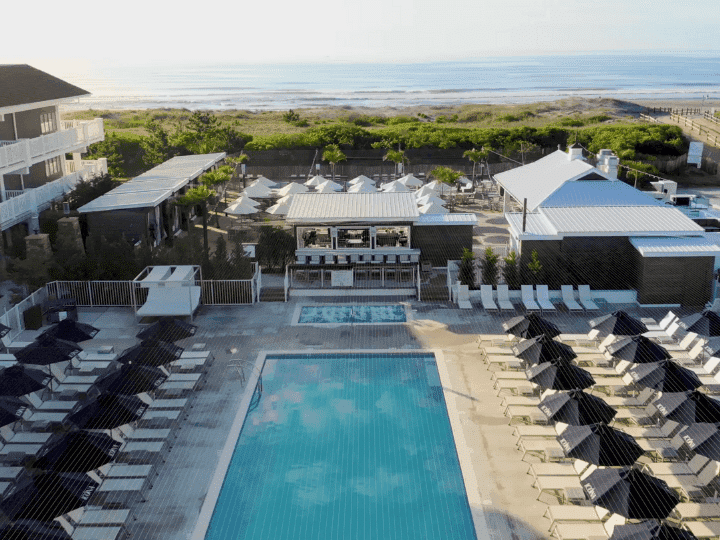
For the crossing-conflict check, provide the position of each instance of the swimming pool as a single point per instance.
(351, 446)
(351, 314)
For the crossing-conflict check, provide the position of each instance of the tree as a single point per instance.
(475, 156)
(234, 162)
(535, 268)
(466, 273)
(334, 155)
(488, 266)
(396, 156)
(219, 177)
(446, 175)
(240, 264)
(510, 271)
(156, 146)
(84, 192)
(198, 196)
(275, 247)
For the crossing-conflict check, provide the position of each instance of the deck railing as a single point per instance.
(13, 317)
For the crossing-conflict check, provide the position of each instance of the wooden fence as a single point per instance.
(712, 136)
(672, 110)
(711, 117)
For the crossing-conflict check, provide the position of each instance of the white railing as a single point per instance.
(258, 281)
(10, 193)
(286, 283)
(98, 166)
(21, 154)
(13, 317)
(227, 292)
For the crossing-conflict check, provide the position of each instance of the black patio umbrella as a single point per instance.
(638, 350)
(650, 530)
(618, 323)
(706, 323)
(529, 326)
(78, 451)
(109, 411)
(70, 330)
(664, 376)
(541, 349)
(4, 330)
(689, 407)
(712, 347)
(131, 379)
(576, 408)
(704, 439)
(168, 330)
(600, 445)
(19, 380)
(151, 353)
(30, 529)
(47, 350)
(630, 493)
(559, 374)
(47, 495)
(11, 410)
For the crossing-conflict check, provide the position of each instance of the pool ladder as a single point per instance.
(240, 365)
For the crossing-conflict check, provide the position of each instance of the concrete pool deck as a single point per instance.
(242, 332)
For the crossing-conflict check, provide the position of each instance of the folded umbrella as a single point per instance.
(576, 408)
(703, 439)
(131, 379)
(109, 411)
(78, 451)
(664, 376)
(168, 330)
(19, 380)
(706, 323)
(151, 353)
(638, 350)
(560, 374)
(541, 349)
(650, 530)
(529, 326)
(31, 529)
(618, 323)
(689, 407)
(70, 330)
(600, 445)
(630, 493)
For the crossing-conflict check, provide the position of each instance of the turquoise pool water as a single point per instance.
(352, 314)
(345, 447)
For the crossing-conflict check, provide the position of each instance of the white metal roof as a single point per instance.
(619, 220)
(536, 225)
(447, 219)
(343, 207)
(189, 167)
(125, 201)
(598, 193)
(538, 180)
(676, 247)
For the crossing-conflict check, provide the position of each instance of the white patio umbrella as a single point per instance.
(464, 180)
(433, 208)
(440, 187)
(315, 181)
(429, 199)
(265, 182)
(425, 190)
(325, 188)
(278, 209)
(292, 187)
(362, 188)
(244, 199)
(333, 185)
(410, 181)
(362, 178)
(285, 200)
(394, 187)
(239, 208)
(257, 190)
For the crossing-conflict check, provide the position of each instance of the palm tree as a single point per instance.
(220, 176)
(242, 159)
(449, 176)
(396, 156)
(475, 156)
(333, 155)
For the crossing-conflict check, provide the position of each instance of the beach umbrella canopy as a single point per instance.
(703, 439)
(362, 179)
(394, 186)
(440, 187)
(79, 451)
(712, 347)
(650, 530)
(410, 181)
(131, 379)
(11, 410)
(362, 188)
(664, 376)
(577, 408)
(46, 350)
(542, 348)
(638, 350)
(31, 529)
(357, 182)
(292, 187)
(315, 181)
(559, 374)
(285, 200)
(630, 493)
(430, 199)
(706, 323)
(433, 208)
(326, 188)
(19, 380)
(618, 323)
(425, 190)
(4, 330)
(688, 408)
(70, 330)
(278, 209)
(257, 190)
(464, 180)
(530, 325)
(48, 495)
(241, 209)
(600, 445)
(109, 411)
(265, 182)
(245, 200)
(168, 329)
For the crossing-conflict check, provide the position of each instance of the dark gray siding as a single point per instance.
(441, 243)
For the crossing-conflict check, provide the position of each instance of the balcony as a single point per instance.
(22, 154)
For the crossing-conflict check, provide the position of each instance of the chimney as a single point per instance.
(608, 163)
(575, 152)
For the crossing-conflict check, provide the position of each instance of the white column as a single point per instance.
(2, 187)
(506, 203)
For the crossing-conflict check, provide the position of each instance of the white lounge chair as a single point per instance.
(486, 296)
(528, 298)
(464, 297)
(543, 298)
(503, 296)
(586, 298)
(667, 320)
(568, 296)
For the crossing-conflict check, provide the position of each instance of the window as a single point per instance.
(353, 238)
(52, 166)
(48, 123)
(314, 237)
(393, 237)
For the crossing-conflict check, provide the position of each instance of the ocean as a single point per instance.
(487, 80)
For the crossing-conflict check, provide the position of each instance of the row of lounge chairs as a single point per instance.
(538, 299)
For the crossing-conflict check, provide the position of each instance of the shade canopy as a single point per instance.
(618, 323)
(245, 200)
(712, 347)
(425, 190)
(278, 209)
(239, 208)
(630, 493)
(109, 411)
(257, 190)
(560, 374)
(600, 445)
(430, 199)
(706, 323)
(48, 495)
(688, 408)
(362, 179)
(70, 330)
(664, 376)
(151, 353)
(31, 529)
(703, 439)
(394, 187)
(577, 408)
(19, 380)
(131, 379)
(362, 188)
(433, 208)
(79, 451)
(328, 187)
(11, 410)
(650, 530)
(410, 181)
(315, 181)
(530, 325)
(168, 329)
(542, 348)
(638, 350)
(265, 182)
(292, 187)
(285, 200)
(47, 350)
(440, 187)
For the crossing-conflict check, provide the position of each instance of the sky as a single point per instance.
(140, 31)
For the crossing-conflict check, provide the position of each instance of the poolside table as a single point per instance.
(569, 513)
(552, 469)
(124, 491)
(695, 511)
(538, 446)
(159, 419)
(99, 533)
(556, 484)
(108, 518)
(579, 531)
(142, 452)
